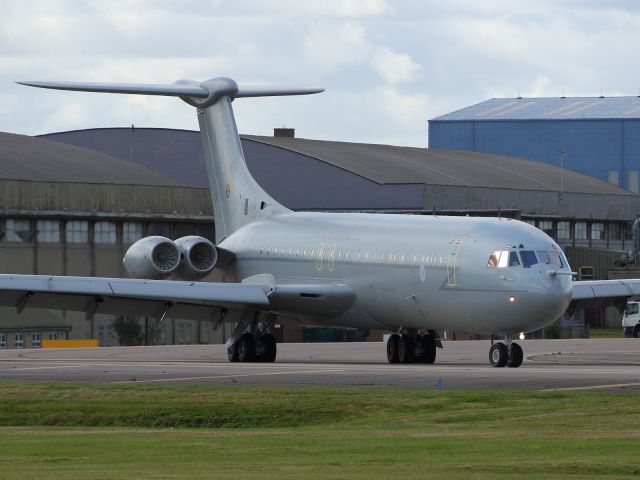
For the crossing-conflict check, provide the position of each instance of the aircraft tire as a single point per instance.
(392, 348)
(406, 349)
(270, 348)
(232, 352)
(428, 344)
(246, 348)
(498, 355)
(516, 356)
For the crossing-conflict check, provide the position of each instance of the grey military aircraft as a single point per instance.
(411, 275)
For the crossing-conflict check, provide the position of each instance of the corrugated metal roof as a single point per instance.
(386, 164)
(34, 159)
(556, 108)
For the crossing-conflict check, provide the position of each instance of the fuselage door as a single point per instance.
(452, 260)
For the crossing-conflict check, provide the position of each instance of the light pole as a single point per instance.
(563, 154)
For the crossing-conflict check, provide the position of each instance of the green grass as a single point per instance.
(606, 333)
(188, 431)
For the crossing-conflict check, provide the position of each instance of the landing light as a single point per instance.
(521, 336)
(512, 299)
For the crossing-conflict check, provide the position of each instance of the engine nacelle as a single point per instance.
(152, 257)
(198, 257)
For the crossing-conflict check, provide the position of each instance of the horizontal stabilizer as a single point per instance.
(182, 88)
(174, 90)
(248, 91)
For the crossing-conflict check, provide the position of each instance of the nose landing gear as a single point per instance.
(506, 355)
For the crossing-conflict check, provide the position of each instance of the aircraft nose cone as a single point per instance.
(549, 297)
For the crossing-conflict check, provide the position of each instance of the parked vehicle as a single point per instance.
(631, 320)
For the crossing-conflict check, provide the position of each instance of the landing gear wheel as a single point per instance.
(636, 332)
(515, 355)
(498, 355)
(246, 348)
(406, 349)
(270, 348)
(392, 348)
(232, 353)
(428, 344)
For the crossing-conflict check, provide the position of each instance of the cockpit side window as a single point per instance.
(528, 258)
(499, 259)
(543, 257)
(555, 258)
(514, 261)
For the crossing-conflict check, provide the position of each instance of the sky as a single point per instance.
(387, 66)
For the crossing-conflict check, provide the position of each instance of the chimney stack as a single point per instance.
(284, 132)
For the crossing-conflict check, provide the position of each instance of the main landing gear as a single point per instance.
(251, 339)
(506, 355)
(412, 348)
(251, 348)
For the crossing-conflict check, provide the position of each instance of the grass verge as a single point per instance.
(606, 333)
(190, 431)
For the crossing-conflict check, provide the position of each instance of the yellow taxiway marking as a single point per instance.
(591, 387)
(213, 377)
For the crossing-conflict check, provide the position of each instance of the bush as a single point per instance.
(554, 330)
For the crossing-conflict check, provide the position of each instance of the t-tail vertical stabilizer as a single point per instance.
(237, 197)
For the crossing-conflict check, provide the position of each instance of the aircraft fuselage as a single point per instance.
(413, 271)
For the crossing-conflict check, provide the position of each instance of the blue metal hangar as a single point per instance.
(598, 136)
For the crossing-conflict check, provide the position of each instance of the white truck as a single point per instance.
(631, 320)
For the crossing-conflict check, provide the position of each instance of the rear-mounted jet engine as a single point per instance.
(188, 258)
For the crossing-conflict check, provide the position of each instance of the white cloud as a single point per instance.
(334, 44)
(395, 67)
(405, 109)
(308, 9)
(387, 66)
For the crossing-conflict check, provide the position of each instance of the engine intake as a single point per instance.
(152, 257)
(198, 257)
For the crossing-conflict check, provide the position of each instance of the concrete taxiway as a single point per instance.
(564, 365)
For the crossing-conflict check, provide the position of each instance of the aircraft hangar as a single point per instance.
(599, 136)
(72, 202)
(576, 209)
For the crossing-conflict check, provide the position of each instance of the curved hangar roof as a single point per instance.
(390, 164)
(323, 175)
(179, 154)
(60, 179)
(39, 160)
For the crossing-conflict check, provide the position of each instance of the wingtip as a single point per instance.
(29, 83)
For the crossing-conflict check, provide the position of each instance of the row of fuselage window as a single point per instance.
(331, 255)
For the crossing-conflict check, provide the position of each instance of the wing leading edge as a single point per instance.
(602, 293)
(177, 299)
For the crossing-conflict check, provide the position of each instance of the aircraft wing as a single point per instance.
(176, 299)
(602, 293)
